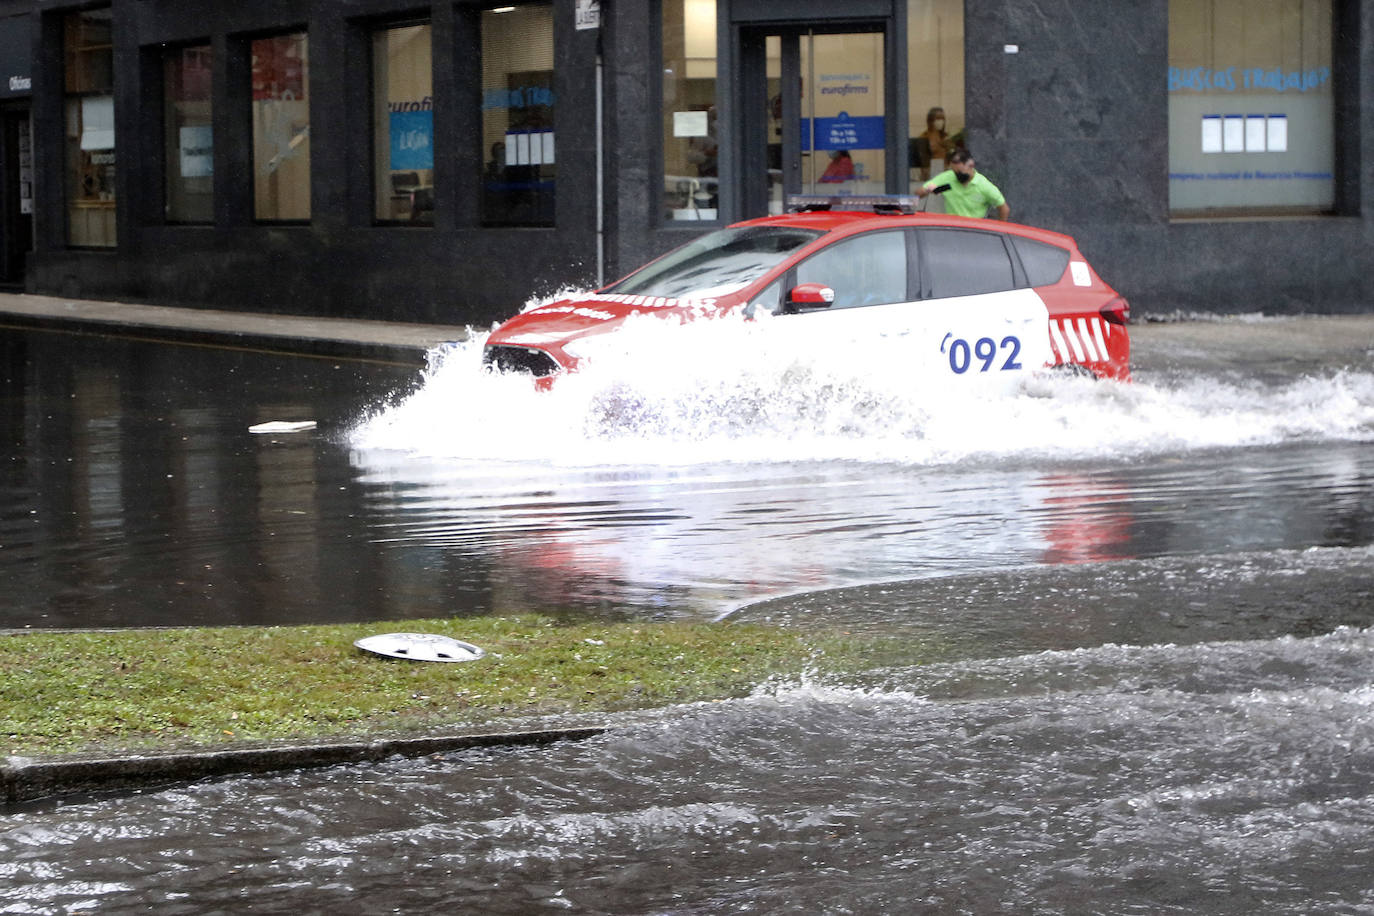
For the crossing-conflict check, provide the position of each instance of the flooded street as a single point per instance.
(1154, 606)
(134, 493)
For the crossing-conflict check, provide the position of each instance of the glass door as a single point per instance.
(814, 114)
(843, 136)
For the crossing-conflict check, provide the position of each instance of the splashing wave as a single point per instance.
(716, 392)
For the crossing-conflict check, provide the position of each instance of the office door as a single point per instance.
(815, 113)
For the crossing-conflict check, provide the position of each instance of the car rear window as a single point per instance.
(1044, 263)
(714, 264)
(965, 262)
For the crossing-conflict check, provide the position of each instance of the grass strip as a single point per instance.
(66, 692)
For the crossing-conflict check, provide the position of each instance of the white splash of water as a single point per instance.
(566, 292)
(726, 391)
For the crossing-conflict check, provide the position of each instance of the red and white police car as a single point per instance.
(957, 297)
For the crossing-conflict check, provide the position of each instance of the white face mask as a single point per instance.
(939, 123)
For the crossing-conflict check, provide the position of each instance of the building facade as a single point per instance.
(447, 161)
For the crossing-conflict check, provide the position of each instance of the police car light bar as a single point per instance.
(875, 203)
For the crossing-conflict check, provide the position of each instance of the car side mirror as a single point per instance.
(809, 297)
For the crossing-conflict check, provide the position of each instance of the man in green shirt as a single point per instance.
(966, 192)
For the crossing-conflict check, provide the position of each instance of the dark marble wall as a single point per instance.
(1073, 127)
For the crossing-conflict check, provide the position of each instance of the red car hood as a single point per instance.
(550, 326)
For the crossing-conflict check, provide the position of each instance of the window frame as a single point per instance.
(1014, 242)
(658, 198)
(163, 58)
(251, 133)
(486, 215)
(373, 29)
(72, 202)
(911, 266)
(1344, 134)
(1018, 274)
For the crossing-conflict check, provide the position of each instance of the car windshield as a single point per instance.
(718, 263)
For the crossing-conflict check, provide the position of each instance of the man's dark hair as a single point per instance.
(960, 155)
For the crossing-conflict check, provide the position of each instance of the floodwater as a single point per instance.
(1155, 602)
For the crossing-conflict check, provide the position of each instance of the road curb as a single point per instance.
(24, 780)
(295, 344)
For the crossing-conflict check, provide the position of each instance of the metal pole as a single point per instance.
(600, 185)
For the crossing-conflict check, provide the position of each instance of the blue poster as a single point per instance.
(412, 140)
(844, 132)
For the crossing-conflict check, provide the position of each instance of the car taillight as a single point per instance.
(1118, 311)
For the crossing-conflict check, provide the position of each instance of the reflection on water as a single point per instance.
(134, 494)
(703, 540)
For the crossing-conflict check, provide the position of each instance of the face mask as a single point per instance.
(964, 177)
(939, 123)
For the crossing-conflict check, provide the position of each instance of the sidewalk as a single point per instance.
(386, 341)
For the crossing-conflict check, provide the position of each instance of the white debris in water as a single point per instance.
(282, 426)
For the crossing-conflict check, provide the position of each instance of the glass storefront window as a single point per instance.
(281, 127)
(520, 169)
(935, 87)
(403, 119)
(843, 100)
(189, 143)
(690, 178)
(1251, 107)
(90, 128)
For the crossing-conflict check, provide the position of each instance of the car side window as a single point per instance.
(965, 262)
(767, 301)
(1044, 263)
(865, 269)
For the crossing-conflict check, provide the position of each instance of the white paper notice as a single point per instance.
(1233, 134)
(689, 124)
(548, 147)
(197, 152)
(1254, 133)
(1278, 133)
(97, 122)
(1211, 133)
(588, 14)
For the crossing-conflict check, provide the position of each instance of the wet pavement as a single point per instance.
(1151, 605)
(382, 340)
